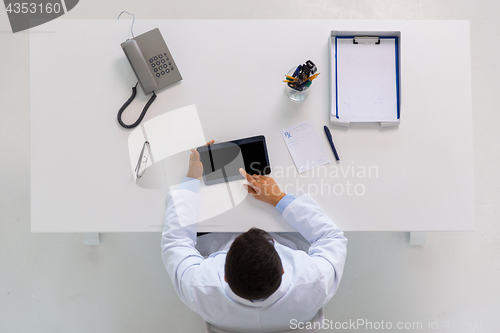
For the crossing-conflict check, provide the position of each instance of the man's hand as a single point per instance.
(263, 188)
(195, 166)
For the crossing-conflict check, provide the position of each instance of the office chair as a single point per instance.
(316, 323)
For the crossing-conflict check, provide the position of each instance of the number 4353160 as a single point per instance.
(33, 8)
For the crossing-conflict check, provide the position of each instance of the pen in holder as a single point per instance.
(299, 79)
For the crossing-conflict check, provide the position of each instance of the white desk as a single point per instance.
(81, 180)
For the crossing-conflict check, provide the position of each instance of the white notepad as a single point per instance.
(305, 146)
(366, 81)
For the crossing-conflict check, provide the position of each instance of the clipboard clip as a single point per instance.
(366, 40)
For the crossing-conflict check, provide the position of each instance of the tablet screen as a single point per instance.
(222, 161)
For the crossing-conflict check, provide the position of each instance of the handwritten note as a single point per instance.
(305, 146)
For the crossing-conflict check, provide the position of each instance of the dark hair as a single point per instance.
(253, 268)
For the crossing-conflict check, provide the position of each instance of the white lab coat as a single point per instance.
(308, 283)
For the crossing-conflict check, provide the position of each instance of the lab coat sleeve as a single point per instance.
(328, 244)
(180, 257)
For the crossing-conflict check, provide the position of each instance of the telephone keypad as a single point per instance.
(161, 62)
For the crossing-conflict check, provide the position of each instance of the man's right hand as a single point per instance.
(263, 188)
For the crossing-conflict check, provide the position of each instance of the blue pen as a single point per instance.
(329, 136)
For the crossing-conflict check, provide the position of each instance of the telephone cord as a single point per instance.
(127, 103)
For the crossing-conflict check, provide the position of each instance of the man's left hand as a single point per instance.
(195, 167)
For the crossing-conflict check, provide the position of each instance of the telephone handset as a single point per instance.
(153, 66)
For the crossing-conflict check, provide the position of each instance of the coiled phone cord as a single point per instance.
(127, 103)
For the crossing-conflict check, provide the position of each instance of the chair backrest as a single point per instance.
(315, 325)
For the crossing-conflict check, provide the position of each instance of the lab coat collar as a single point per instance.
(282, 290)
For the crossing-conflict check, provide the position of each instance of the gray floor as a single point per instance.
(53, 283)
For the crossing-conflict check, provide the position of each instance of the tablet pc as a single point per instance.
(222, 161)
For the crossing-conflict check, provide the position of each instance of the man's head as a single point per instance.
(253, 268)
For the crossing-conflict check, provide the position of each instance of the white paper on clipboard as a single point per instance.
(366, 81)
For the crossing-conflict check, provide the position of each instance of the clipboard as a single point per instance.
(365, 76)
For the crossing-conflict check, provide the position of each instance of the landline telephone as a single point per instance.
(153, 66)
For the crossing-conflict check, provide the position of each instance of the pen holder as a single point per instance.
(296, 95)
